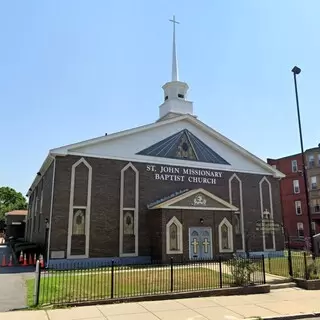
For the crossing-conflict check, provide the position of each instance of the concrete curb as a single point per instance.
(294, 316)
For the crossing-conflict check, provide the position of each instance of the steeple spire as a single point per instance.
(175, 75)
(175, 91)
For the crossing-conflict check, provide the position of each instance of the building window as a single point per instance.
(298, 207)
(128, 222)
(318, 159)
(296, 186)
(79, 218)
(313, 183)
(225, 236)
(313, 228)
(316, 205)
(173, 237)
(294, 165)
(174, 243)
(300, 230)
(311, 161)
(237, 223)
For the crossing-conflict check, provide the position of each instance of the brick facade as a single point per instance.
(105, 207)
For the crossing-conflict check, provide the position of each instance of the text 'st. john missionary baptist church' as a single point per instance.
(173, 188)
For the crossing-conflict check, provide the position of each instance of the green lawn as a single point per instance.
(279, 265)
(60, 287)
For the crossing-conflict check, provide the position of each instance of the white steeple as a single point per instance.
(175, 91)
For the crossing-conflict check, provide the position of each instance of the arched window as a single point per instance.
(128, 222)
(174, 236)
(225, 236)
(78, 227)
(237, 224)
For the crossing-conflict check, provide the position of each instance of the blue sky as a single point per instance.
(73, 70)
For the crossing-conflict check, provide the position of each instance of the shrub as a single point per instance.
(242, 269)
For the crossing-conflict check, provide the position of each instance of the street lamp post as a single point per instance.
(297, 71)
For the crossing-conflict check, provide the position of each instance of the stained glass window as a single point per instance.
(173, 237)
(225, 236)
(78, 227)
(128, 222)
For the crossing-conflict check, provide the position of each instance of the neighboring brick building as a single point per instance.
(173, 188)
(293, 193)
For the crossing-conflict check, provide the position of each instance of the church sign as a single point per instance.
(178, 174)
(268, 226)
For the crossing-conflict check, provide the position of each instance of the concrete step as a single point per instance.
(282, 285)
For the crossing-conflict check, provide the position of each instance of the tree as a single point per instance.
(10, 200)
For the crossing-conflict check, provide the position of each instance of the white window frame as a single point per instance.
(230, 236)
(297, 205)
(314, 185)
(179, 235)
(300, 226)
(311, 161)
(72, 206)
(296, 189)
(294, 165)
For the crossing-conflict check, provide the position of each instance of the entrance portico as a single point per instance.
(193, 224)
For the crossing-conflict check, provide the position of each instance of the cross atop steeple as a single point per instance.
(175, 91)
(175, 76)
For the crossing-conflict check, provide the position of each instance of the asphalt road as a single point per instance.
(12, 286)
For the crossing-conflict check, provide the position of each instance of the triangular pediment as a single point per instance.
(183, 145)
(199, 199)
(179, 141)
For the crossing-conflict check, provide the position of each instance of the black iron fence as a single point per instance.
(293, 264)
(84, 282)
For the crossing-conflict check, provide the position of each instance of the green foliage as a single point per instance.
(312, 271)
(10, 200)
(242, 269)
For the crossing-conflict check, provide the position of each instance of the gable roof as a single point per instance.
(183, 145)
(191, 119)
(64, 150)
(170, 203)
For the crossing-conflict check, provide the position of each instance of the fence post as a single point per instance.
(171, 274)
(290, 261)
(220, 271)
(36, 291)
(305, 265)
(269, 260)
(263, 270)
(112, 279)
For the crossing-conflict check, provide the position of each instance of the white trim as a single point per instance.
(34, 199)
(45, 166)
(169, 203)
(230, 235)
(271, 214)
(235, 176)
(51, 209)
(179, 235)
(136, 212)
(68, 148)
(88, 208)
(163, 161)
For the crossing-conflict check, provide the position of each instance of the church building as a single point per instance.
(173, 188)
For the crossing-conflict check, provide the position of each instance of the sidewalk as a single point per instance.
(277, 303)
